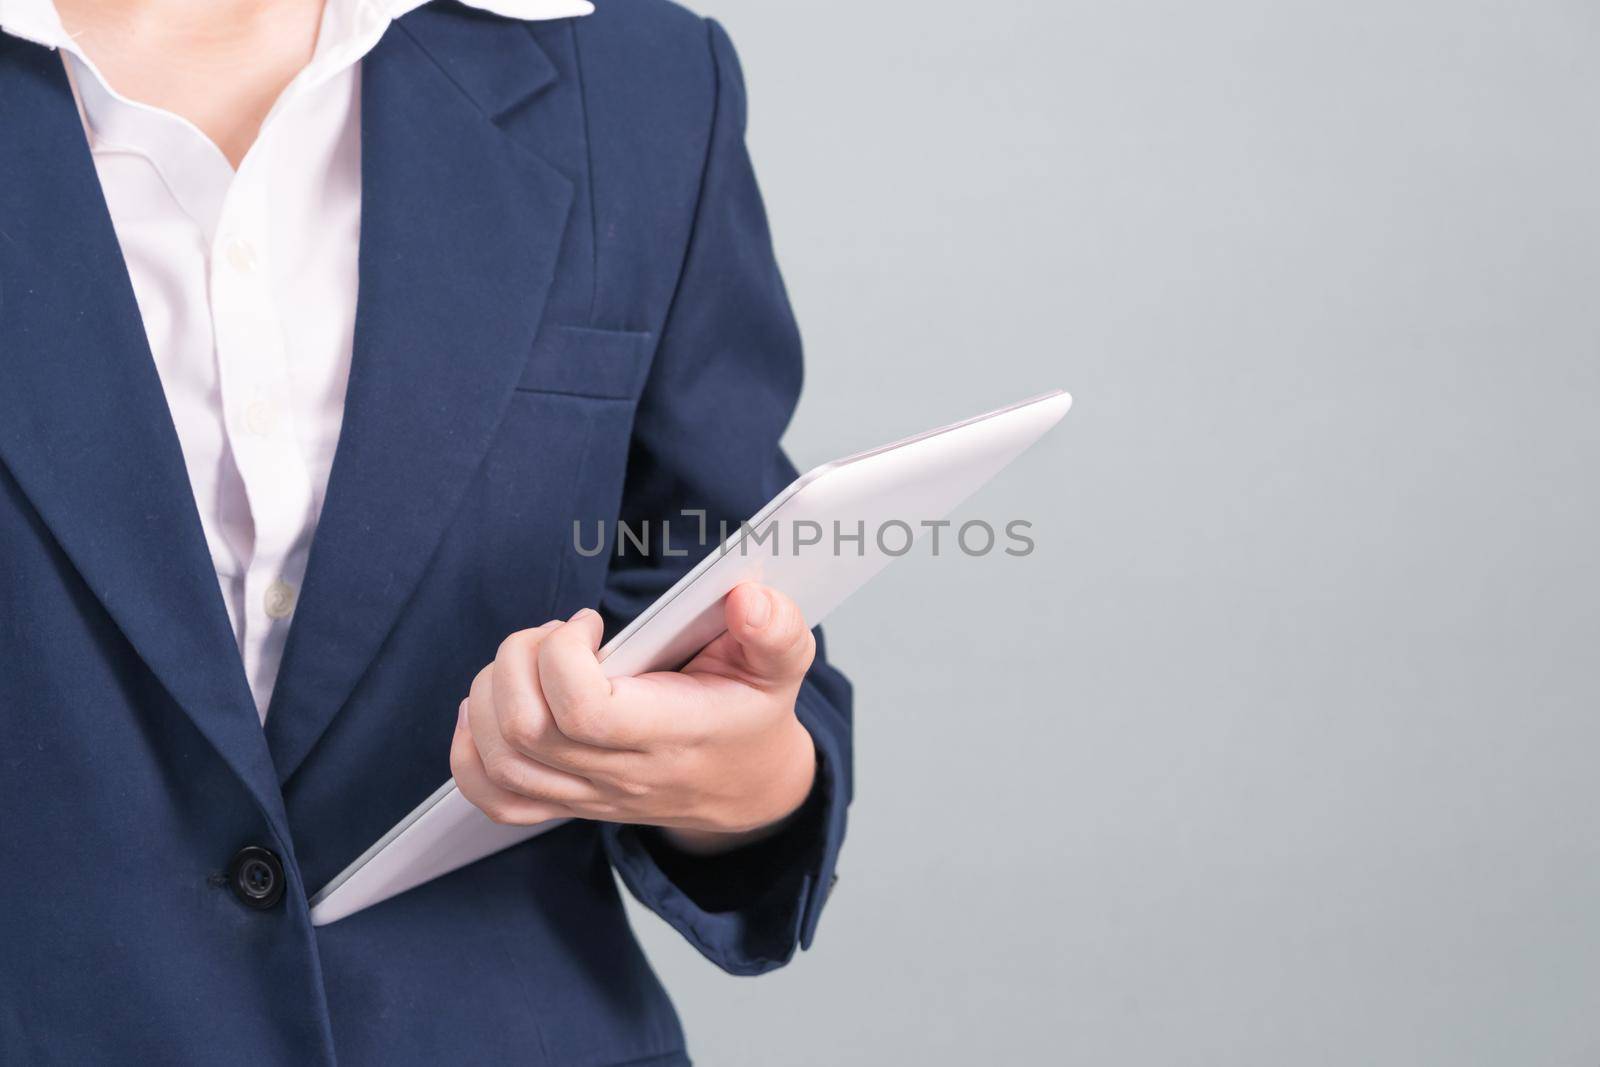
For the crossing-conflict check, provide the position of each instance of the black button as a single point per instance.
(257, 877)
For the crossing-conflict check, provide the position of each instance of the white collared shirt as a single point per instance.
(246, 281)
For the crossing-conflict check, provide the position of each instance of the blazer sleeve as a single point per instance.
(722, 388)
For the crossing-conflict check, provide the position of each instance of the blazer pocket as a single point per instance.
(579, 361)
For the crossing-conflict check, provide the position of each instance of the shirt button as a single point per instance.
(241, 255)
(260, 417)
(278, 602)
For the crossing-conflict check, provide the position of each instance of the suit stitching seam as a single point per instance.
(451, 78)
(588, 162)
(700, 186)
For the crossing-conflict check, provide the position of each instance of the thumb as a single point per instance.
(774, 641)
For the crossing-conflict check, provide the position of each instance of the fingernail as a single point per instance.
(461, 716)
(582, 613)
(761, 610)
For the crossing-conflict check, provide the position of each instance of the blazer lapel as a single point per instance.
(84, 424)
(460, 231)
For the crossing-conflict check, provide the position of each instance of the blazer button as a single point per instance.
(257, 877)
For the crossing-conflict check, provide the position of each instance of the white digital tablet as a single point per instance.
(817, 541)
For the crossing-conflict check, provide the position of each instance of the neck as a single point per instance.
(218, 16)
(221, 64)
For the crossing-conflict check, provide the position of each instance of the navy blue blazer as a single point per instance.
(569, 309)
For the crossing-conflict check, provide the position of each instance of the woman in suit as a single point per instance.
(324, 327)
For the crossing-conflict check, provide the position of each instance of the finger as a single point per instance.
(576, 690)
(522, 715)
(774, 642)
(500, 805)
(505, 767)
(479, 706)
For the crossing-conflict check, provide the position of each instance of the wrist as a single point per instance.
(790, 789)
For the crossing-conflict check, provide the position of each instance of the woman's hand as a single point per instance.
(713, 753)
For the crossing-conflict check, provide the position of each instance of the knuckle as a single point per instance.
(583, 719)
(525, 731)
(631, 787)
(508, 674)
(517, 645)
(553, 644)
(459, 763)
(482, 684)
(501, 769)
(499, 812)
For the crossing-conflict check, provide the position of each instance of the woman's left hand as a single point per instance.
(712, 753)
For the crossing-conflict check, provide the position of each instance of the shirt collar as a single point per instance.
(349, 30)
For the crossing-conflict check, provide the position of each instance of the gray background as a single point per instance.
(1280, 748)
